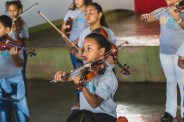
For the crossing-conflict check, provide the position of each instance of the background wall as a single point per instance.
(146, 6)
(56, 9)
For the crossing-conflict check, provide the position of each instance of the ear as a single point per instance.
(100, 14)
(102, 51)
(7, 29)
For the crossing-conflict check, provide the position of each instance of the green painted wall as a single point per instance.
(143, 61)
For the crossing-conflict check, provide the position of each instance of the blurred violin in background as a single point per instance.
(68, 26)
(6, 43)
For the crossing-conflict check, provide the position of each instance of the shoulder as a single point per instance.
(85, 32)
(108, 76)
(109, 31)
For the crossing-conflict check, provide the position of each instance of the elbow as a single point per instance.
(181, 64)
(94, 105)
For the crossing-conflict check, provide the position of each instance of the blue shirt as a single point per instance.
(104, 86)
(7, 66)
(171, 34)
(79, 23)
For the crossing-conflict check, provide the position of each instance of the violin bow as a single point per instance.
(62, 34)
(90, 63)
(25, 11)
(164, 9)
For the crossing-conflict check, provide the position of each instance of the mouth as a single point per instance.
(85, 58)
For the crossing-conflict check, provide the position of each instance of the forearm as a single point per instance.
(181, 63)
(181, 23)
(18, 61)
(93, 100)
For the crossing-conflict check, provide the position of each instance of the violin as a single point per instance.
(6, 43)
(89, 73)
(68, 26)
(114, 52)
(18, 23)
(92, 69)
(179, 8)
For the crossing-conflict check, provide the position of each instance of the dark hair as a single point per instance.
(100, 10)
(6, 21)
(100, 40)
(73, 6)
(82, 116)
(102, 43)
(17, 3)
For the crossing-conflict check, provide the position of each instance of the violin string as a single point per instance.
(63, 35)
(25, 11)
(89, 64)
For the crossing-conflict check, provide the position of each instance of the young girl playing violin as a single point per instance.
(19, 29)
(171, 38)
(96, 95)
(12, 88)
(76, 15)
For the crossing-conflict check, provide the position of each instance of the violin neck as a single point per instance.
(19, 47)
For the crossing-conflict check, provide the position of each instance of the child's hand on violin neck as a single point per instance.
(14, 51)
(146, 17)
(59, 76)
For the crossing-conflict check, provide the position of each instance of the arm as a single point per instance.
(15, 56)
(93, 100)
(181, 62)
(58, 77)
(176, 16)
(147, 18)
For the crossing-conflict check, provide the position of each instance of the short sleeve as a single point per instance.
(68, 14)
(182, 15)
(25, 31)
(180, 51)
(105, 87)
(112, 37)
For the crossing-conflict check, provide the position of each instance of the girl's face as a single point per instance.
(13, 11)
(79, 3)
(92, 50)
(3, 30)
(92, 15)
(170, 2)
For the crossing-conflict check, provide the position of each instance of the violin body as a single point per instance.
(89, 73)
(68, 26)
(6, 43)
(18, 23)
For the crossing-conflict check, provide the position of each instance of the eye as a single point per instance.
(89, 49)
